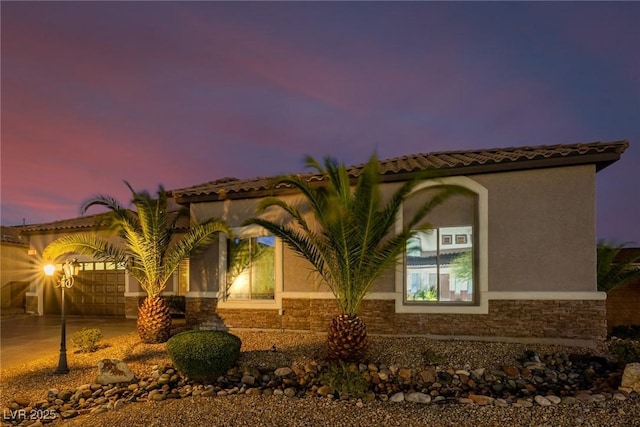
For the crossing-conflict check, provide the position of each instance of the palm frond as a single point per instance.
(352, 241)
(83, 243)
(612, 272)
(150, 248)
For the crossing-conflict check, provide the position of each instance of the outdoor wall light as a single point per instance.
(69, 269)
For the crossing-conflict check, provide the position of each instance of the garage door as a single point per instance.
(98, 290)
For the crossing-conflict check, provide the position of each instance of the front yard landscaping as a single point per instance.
(282, 378)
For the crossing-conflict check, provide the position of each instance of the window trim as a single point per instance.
(248, 232)
(481, 248)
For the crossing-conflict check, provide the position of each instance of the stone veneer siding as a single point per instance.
(131, 306)
(567, 319)
(199, 310)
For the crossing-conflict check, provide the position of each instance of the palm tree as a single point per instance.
(151, 250)
(614, 273)
(349, 241)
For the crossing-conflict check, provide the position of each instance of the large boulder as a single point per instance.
(631, 378)
(112, 371)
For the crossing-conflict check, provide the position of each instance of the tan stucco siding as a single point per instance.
(203, 270)
(542, 230)
(541, 233)
(297, 272)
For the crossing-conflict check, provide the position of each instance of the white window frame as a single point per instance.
(243, 233)
(482, 241)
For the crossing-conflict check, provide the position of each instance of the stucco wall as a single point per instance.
(542, 230)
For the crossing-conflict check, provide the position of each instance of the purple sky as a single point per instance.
(181, 93)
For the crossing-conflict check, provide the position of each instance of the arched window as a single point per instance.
(444, 269)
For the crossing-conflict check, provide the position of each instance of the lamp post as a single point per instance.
(69, 270)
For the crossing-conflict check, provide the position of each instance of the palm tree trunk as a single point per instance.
(347, 339)
(154, 320)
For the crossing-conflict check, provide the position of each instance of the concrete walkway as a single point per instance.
(25, 338)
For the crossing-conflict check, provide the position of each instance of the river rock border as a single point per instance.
(554, 379)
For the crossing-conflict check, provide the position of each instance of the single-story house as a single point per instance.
(515, 261)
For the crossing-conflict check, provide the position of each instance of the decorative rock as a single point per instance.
(290, 392)
(405, 374)
(65, 395)
(619, 396)
(584, 397)
(428, 376)
(501, 403)
(397, 397)
(248, 379)
(542, 401)
(21, 401)
(283, 372)
(111, 371)
(524, 403)
(417, 397)
(554, 399)
(511, 371)
(481, 399)
(631, 378)
(324, 390)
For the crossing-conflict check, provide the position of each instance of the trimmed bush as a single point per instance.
(87, 339)
(204, 355)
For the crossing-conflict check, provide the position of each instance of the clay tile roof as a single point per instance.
(12, 235)
(86, 222)
(449, 163)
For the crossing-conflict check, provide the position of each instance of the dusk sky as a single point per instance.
(181, 93)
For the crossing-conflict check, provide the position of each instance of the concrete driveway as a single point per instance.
(26, 338)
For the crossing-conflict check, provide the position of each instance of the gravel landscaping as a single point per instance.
(412, 381)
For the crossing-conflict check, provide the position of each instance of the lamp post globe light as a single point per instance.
(69, 270)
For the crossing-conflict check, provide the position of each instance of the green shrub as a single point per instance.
(345, 379)
(626, 351)
(87, 339)
(631, 332)
(204, 355)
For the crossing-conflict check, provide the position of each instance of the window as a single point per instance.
(441, 257)
(251, 268)
(438, 271)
